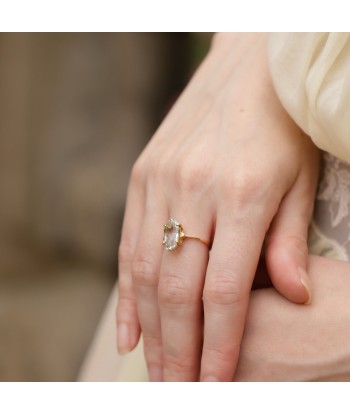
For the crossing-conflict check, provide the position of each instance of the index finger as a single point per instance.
(233, 261)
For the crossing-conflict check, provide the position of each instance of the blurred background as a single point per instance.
(75, 112)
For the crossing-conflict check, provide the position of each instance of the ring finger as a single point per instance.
(180, 298)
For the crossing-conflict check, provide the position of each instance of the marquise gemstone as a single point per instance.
(172, 234)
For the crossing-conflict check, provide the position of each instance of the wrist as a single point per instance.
(230, 40)
(239, 59)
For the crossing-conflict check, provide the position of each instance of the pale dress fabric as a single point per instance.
(311, 74)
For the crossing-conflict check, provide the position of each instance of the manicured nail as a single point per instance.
(210, 379)
(155, 373)
(123, 337)
(304, 279)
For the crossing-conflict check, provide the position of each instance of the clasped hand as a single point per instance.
(230, 164)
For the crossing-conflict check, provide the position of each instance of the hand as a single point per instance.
(230, 165)
(286, 342)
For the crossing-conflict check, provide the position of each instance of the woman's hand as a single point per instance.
(285, 342)
(231, 166)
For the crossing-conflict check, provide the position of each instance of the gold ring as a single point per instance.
(174, 235)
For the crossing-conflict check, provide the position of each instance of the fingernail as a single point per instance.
(155, 373)
(210, 379)
(305, 281)
(123, 337)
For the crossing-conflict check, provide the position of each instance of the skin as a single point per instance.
(285, 342)
(229, 164)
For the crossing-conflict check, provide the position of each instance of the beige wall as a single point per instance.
(75, 111)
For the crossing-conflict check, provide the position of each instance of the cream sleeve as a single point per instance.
(311, 74)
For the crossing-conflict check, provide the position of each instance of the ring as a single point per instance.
(174, 235)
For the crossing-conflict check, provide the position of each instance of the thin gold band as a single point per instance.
(197, 239)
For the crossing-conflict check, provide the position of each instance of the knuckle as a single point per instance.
(224, 289)
(137, 172)
(152, 345)
(173, 289)
(144, 273)
(296, 240)
(152, 341)
(287, 243)
(160, 170)
(126, 297)
(246, 186)
(245, 189)
(192, 176)
(222, 355)
(178, 364)
(153, 349)
(125, 252)
(280, 250)
(287, 238)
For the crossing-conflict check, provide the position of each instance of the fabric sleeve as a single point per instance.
(311, 75)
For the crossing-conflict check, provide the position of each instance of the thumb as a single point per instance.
(286, 245)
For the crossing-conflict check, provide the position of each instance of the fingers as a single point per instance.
(128, 327)
(231, 269)
(180, 298)
(146, 267)
(286, 245)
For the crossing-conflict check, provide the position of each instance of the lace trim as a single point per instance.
(331, 222)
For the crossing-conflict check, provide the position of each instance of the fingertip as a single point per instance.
(297, 295)
(127, 337)
(288, 276)
(123, 338)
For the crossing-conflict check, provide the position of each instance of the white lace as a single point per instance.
(331, 222)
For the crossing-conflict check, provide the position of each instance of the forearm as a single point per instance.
(288, 342)
(330, 314)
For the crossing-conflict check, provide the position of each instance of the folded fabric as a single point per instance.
(311, 74)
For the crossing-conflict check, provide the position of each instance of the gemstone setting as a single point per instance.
(173, 235)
